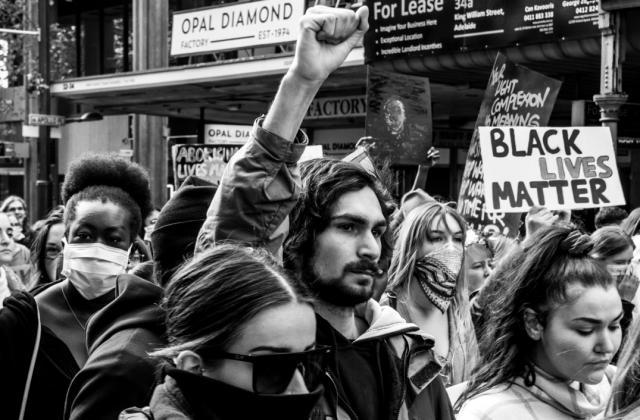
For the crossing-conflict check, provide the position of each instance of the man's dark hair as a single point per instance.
(610, 216)
(324, 181)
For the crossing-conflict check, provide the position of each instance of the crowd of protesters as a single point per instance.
(303, 291)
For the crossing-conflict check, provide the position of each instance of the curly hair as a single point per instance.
(536, 277)
(324, 181)
(107, 177)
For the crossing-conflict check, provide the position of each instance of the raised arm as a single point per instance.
(261, 183)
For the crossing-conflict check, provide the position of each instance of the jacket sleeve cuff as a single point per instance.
(280, 148)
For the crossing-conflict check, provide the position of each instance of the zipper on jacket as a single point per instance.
(345, 405)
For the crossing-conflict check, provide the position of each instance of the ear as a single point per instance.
(189, 361)
(532, 324)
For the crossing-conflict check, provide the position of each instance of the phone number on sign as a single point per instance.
(274, 33)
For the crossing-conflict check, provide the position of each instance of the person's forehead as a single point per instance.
(478, 252)
(446, 223)
(105, 213)
(593, 302)
(363, 204)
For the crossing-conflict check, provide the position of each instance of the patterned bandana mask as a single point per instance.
(437, 273)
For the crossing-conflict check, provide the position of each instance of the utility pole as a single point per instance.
(47, 157)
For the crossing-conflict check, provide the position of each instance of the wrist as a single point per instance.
(301, 83)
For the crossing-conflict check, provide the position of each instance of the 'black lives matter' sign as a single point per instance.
(515, 96)
(560, 168)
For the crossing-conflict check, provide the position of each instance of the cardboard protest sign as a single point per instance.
(203, 160)
(560, 168)
(515, 96)
(399, 116)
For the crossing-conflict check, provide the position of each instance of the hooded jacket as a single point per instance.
(118, 373)
(408, 366)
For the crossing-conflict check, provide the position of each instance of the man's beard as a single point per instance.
(335, 291)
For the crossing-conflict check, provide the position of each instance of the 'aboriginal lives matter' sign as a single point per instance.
(206, 161)
(558, 168)
(234, 26)
(515, 96)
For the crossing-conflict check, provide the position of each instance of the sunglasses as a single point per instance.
(272, 373)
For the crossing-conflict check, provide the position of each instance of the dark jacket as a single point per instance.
(407, 365)
(18, 340)
(54, 369)
(118, 373)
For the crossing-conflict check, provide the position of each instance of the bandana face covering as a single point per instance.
(437, 273)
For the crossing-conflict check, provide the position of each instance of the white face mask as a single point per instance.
(93, 268)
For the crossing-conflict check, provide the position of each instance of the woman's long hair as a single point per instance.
(414, 230)
(535, 277)
(625, 393)
(39, 247)
(210, 299)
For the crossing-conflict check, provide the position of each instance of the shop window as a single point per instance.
(91, 38)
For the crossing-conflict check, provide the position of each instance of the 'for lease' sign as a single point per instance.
(553, 167)
(241, 25)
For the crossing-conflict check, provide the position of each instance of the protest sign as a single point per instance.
(206, 161)
(399, 116)
(560, 168)
(515, 96)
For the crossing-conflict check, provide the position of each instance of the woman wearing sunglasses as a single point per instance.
(241, 342)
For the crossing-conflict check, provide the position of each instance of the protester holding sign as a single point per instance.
(551, 333)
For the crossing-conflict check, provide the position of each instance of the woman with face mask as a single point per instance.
(427, 285)
(615, 249)
(106, 199)
(241, 342)
(552, 331)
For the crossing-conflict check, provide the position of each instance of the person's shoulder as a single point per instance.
(501, 402)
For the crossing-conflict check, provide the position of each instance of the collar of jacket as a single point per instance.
(413, 346)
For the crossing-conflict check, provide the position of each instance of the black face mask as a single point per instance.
(212, 399)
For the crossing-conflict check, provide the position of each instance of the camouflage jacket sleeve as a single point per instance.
(258, 189)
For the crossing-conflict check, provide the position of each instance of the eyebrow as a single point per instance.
(358, 219)
(597, 321)
(276, 349)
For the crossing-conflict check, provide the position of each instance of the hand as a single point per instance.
(327, 36)
(537, 218)
(433, 156)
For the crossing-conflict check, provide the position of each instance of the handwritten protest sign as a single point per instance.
(399, 116)
(203, 160)
(560, 168)
(515, 96)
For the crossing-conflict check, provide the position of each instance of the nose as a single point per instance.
(487, 269)
(369, 247)
(297, 385)
(608, 342)
(4, 239)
